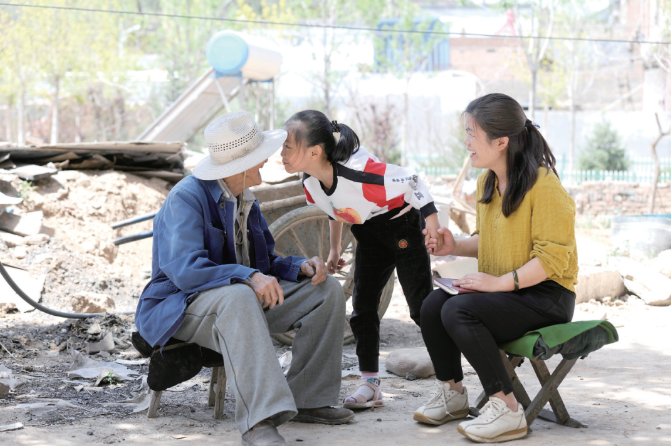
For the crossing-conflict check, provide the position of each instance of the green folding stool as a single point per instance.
(573, 341)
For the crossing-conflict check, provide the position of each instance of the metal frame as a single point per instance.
(548, 393)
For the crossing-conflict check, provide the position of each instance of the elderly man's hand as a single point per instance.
(316, 269)
(268, 290)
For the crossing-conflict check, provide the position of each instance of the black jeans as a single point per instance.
(383, 244)
(473, 324)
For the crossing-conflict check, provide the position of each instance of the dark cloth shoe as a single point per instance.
(141, 345)
(175, 364)
(324, 415)
(263, 434)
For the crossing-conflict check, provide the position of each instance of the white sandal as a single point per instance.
(361, 401)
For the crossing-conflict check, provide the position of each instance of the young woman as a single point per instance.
(527, 261)
(386, 205)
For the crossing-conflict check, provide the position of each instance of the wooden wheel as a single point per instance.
(304, 232)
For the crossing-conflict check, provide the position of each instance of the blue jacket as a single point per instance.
(194, 250)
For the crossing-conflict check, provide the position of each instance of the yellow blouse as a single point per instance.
(543, 226)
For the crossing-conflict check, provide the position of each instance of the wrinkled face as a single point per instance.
(254, 175)
(484, 154)
(297, 158)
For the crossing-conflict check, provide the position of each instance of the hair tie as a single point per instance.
(335, 127)
(528, 123)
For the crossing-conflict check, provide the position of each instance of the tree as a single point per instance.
(604, 150)
(653, 187)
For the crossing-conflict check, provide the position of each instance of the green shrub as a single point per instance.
(604, 150)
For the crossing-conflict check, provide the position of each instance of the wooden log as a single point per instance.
(220, 394)
(153, 404)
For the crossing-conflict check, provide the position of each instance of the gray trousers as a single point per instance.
(230, 320)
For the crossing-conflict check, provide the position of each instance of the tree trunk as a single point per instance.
(54, 112)
(78, 123)
(571, 155)
(20, 134)
(8, 122)
(532, 93)
(655, 179)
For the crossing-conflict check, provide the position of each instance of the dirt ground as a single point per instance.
(622, 392)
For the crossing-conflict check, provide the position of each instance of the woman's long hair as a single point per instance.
(313, 128)
(499, 115)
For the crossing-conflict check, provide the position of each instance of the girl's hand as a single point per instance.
(482, 282)
(334, 262)
(440, 243)
(432, 226)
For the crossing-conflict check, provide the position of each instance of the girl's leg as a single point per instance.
(374, 266)
(413, 265)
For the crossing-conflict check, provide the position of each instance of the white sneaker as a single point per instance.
(496, 423)
(445, 405)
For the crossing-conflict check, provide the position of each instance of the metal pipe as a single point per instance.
(133, 238)
(44, 309)
(132, 221)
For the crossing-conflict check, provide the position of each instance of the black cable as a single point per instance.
(44, 309)
(306, 25)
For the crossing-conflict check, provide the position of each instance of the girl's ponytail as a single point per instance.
(312, 128)
(348, 143)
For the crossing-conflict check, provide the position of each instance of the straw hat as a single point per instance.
(236, 144)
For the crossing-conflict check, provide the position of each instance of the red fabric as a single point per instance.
(308, 196)
(372, 192)
(378, 194)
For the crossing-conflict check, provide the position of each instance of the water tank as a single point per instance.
(231, 53)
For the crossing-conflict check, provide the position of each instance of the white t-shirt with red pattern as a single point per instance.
(364, 188)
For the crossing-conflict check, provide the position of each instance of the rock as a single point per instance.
(86, 302)
(597, 283)
(8, 308)
(3, 246)
(12, 240)
(105, 345)
(410, 377)
(652, 287)
(410, 361)
(4, 391)
(19, 252)
(37, 239)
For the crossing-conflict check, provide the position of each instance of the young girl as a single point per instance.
(525, 244)
(387, 206)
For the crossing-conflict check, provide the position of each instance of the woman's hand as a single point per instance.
(484, 283)
(431, 233)
(314, 268)
(267, 288)
(441, 243)
(334, 262)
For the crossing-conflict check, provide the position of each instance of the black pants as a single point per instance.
(383, 244)
(473, 324)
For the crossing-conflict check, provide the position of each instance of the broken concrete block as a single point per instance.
(12, 240)
(26, 224)
(104, 345)
(410, 361)
(651, 286)
(4, 391)
(33, 172)
(37, 239)
(86, 302)
(597, 283)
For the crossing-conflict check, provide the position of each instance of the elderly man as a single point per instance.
(217, 283)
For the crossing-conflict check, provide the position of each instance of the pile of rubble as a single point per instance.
(73, 253)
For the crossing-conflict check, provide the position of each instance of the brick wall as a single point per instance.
(618, 198)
